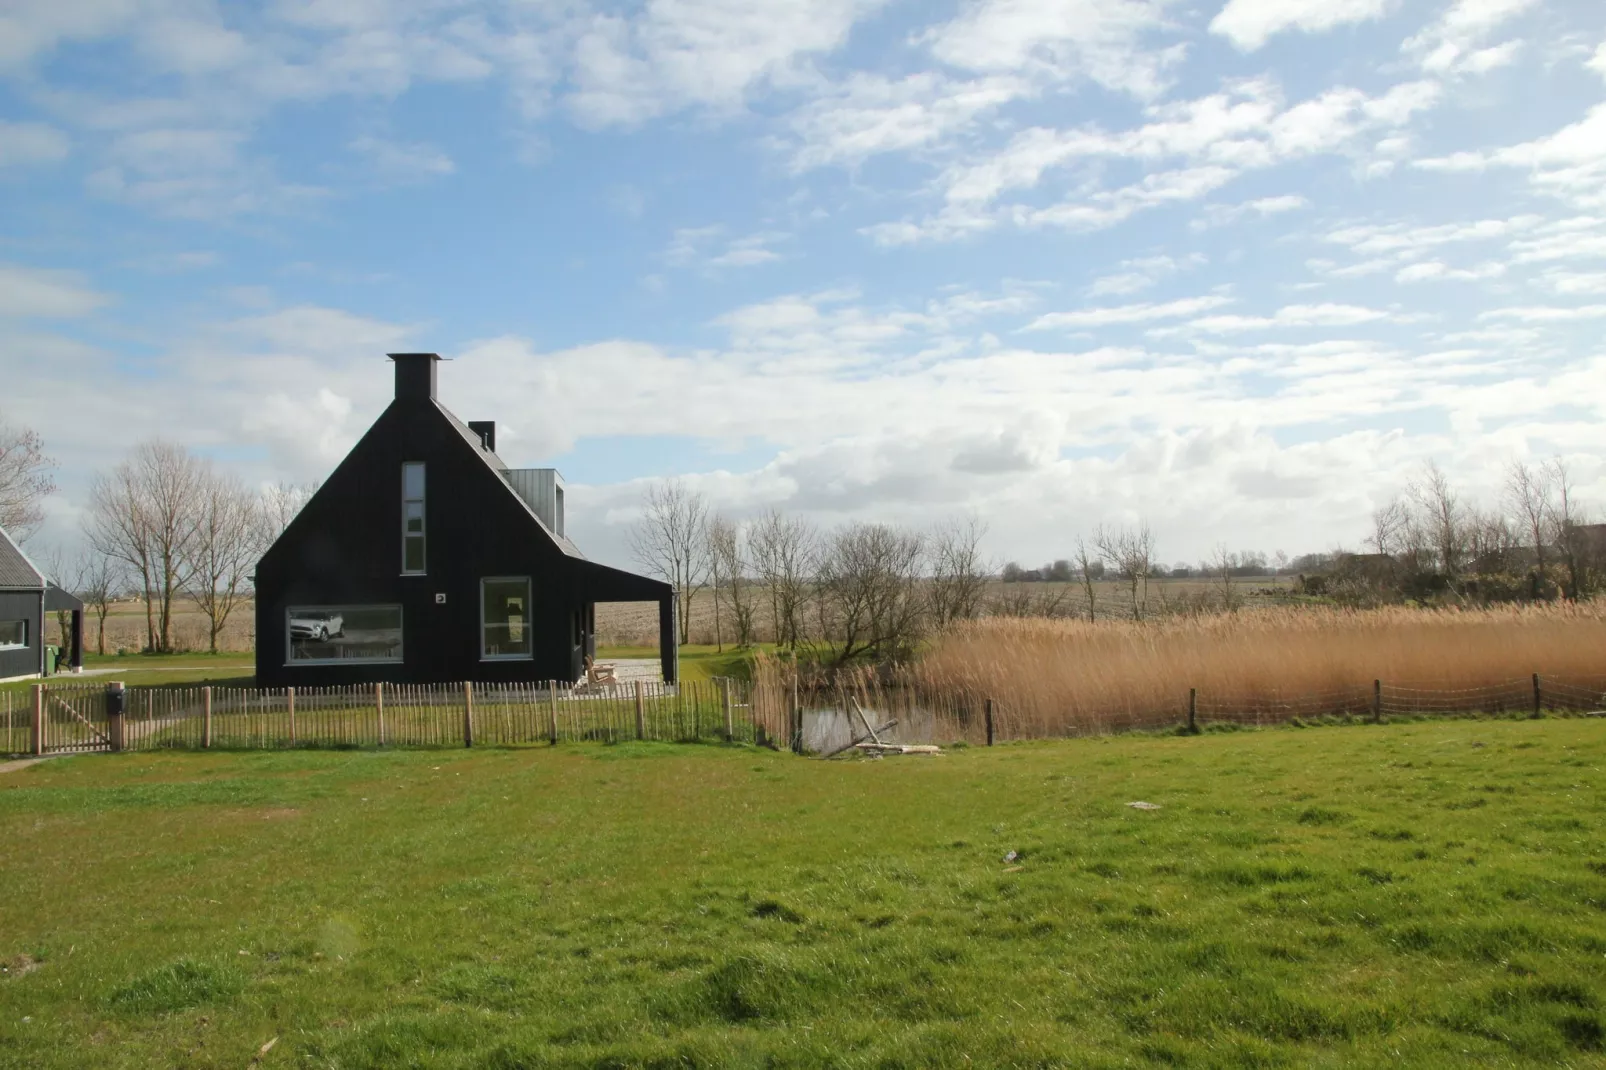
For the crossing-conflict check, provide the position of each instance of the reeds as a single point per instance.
(1052, 677)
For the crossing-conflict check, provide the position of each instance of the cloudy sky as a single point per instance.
(1238, 268)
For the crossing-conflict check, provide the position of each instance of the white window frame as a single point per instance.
(401, 648)
(22, 645)
(529, 598)
(422, 535)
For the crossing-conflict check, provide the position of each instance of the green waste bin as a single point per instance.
(52, 654)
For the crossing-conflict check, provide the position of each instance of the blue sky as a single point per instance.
(1237, 268)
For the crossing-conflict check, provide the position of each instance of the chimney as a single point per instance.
(486, 429)
(415, 375)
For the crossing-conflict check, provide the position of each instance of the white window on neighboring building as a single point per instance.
(13, 634)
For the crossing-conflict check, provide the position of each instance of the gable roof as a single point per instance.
(499, 466)
(16, 571)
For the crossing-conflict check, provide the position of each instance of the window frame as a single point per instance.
(529, 598)
(422, 534)
(401, 646)
(25, 644)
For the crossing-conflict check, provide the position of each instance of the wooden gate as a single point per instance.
(71, 719)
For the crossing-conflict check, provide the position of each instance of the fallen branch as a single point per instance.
(855, 742)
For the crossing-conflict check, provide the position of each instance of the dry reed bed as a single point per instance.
(1053, 677)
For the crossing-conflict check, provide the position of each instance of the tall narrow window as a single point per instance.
(505, 617)
(413, 518)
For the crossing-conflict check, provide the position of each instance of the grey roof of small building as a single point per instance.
(16, 571)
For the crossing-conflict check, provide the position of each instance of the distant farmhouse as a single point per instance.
(26, 596)
(424, 558)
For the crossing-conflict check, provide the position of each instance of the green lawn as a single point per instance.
(1408, 895)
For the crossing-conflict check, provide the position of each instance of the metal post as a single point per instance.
(1537, 701)
(1377, 701)
(206, 716)
(379, 707)
(38, 719)
(468, 714)
(989, 722)
(641, 714)
(1193, 708)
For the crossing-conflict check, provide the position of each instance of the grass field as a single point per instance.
(1428, 894)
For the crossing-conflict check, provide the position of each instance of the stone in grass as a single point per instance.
(1144, 805)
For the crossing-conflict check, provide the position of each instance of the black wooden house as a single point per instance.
(27, 596)
(423, 558)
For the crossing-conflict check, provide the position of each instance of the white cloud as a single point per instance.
(1569, 164)
(1449, 45)
(193, 174)
(705, 53)
(1100, 40)
(30, 143)
(1322, 315)
(1217, 215)
(397, 161)
(1249, 24)
(1434, 270)
(46, 294)
(1126, 314)
(708, 248)
(1141, 273)
(1597, 62)
(1574, 282)
(1547, 313)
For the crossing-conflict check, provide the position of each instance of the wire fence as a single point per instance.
(777, 709)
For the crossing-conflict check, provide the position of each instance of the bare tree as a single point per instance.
(717, 532)
(227, 538)
(869, 577)
(1442, 518)
(1130, 551)
(1221, 565)
(1528, 497)
(142, 513)
(25, 481)
(100, 579)
(783, 550)
(1564, 527)
(1089, 564)
(670, 541)
(280, 504)
(1387, 524)
(729, 567)
(958, 573)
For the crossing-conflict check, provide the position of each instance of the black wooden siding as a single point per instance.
(28, 606)
(345, 546)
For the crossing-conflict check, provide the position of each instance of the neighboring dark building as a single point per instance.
(424, 559)
(26, 596)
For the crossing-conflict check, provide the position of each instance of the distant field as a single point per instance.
(1407, 895)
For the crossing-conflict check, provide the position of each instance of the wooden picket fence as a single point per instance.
(56, 719)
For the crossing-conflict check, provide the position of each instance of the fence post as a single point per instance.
(1536, 695)
(114, 713)
(290, 694)
(641, 714)
(552, 712)
(468, 714)
(989, 722)
(206, 716)
(1193, 709)
(38, 719)
(379, 707)
(1377, 701)
(725, 701)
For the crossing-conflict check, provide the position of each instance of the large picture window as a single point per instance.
(342, 635)
(13, 634)
(413, 518)
(505, 618)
